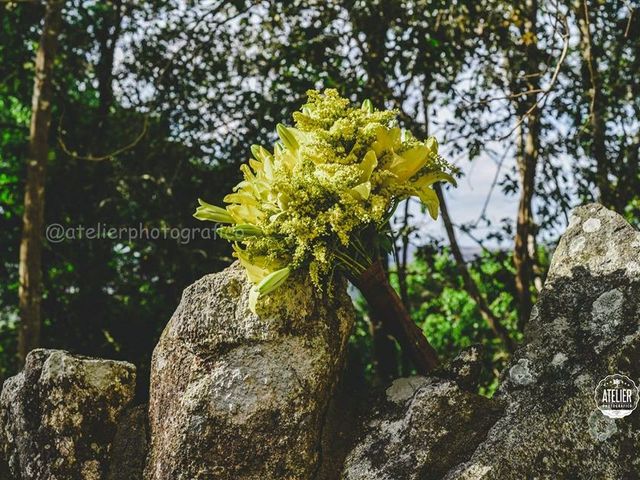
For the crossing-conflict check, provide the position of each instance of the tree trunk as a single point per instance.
(523, 256)
(592, 86)
(107, 35)
(402, 259)
(529, 146)
(30, 270)
(385, 358)
(469, 284)
(402, 269)
(386, 305)
(385, 354)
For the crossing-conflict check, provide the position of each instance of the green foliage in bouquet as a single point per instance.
(322, 198)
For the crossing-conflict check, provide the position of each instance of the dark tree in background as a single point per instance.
(606, 102)
(30, 291)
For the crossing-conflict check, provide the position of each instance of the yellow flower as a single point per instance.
(244, 213)
(318, 200)
(362, 191)
(369, 162)
(239, 232)
(257, 269)
(267, 285)
(212, 213)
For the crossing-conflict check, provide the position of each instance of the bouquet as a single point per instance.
(321, 201)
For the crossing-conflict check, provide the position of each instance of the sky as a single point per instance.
(465, 204)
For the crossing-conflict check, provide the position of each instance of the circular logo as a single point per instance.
(616, 396)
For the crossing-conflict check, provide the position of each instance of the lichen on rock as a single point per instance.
(235, 395)
(424, 426)
(586, 326)
(58, 416)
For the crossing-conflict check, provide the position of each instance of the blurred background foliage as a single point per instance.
(155, 103)
(448, 315)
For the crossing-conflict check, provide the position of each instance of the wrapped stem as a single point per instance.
(387, 306)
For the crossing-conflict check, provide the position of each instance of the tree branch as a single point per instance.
(470, 285)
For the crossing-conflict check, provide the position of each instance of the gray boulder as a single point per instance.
(421, 426)
(585, 326)
(58, 416)
(425, 426)
(241, 396)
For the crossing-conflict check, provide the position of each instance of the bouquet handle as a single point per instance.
(387, 306)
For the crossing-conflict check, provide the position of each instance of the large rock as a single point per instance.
(425, 426)
(58, 416)
(585, 326)
(240, 396)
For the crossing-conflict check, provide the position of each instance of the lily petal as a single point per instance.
(245, 213)
(287, 137)
(260, 153)
(430, 200)
(431, 178)
(212, 213)
(369, 162)
(239, 232)
(407, 164)
(242, 198)
(254, 294)
(256, 271)
(273, 281)
(361, 191)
